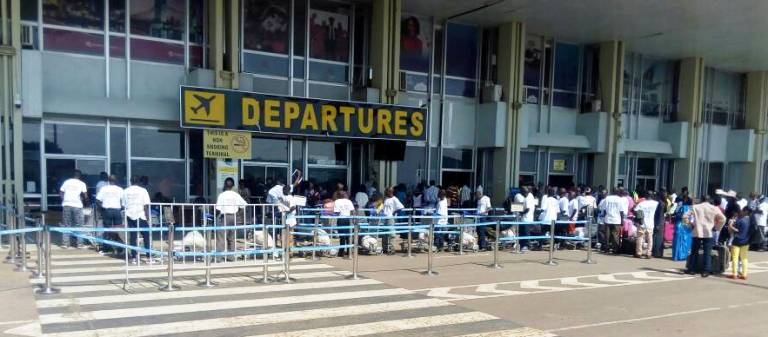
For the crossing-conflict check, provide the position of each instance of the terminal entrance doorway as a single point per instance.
(564, 181)
(259, 177)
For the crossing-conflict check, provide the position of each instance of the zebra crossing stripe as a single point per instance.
(177, 267)
(195, 307)
(382, 327)
(254, 320)
(200, 293)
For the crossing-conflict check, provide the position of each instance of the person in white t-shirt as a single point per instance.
(529, 207)
(343, 207)
(615, 207)
(73, 192)
(483, 209)
(442, 211)
(228, 204)
(392, 205)
(110, 198)
(645, 228)
(761, 215)
(136, 203)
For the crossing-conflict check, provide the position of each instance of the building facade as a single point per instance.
(507, 103)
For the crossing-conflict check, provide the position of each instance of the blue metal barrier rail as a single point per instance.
(20, 231)
(229, 253)
(112, 243)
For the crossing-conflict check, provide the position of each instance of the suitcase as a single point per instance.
(628, 246)
(720, 257)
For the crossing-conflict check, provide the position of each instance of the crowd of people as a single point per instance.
(637, 223)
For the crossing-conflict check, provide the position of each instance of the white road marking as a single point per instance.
(254, 320)
(200, 293)
(444, 293)
(177, 267)
(491, 288)
(197, 307)
(648, 318)
(574, 281)
(521, 332)
(389, 326)
(612, 278)
(534, 284)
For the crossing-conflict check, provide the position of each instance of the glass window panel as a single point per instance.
(29, 10)
(156, 51)
(166, 179)
(88, 14)
(646, 166)
(117, 46)
(298, 68)
(117, 16)
(327, 178)
(268, 149)
(75, 139)
(329, 31)
(299, 24)
(158, 18)
(196, 56)
(59, 170)
(156, 143)
(462, 51)
(459, 87)
(622, 165)
(118, 154)
(31, 148)
(266, 64)
(415, 43)
(327, 153)
(457, 159)
(438, 57)
(566, 66)
(565, 99)
(528, 161)
(73, 42)
(328, 72)
(415, 82)
(196, 20)
(266, 25)
(298, 156)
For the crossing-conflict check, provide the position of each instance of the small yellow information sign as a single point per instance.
(558, 165)
(226, 144)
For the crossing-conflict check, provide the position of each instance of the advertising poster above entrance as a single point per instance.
(207, 108)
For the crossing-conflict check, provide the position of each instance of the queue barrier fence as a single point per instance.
(263, 219)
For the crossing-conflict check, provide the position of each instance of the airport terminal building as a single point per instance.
(473, 93)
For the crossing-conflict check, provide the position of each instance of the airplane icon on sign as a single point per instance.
(205, 104)
(204, 107)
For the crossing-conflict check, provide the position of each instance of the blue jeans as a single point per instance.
(693, 260)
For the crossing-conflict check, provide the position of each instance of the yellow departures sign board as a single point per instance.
(225, 144)
(246, 111)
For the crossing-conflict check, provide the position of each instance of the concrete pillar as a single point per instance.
(756, 109)
(510, 67)
(223, 37)
(611, 88)
(385, 63)
(691, 91)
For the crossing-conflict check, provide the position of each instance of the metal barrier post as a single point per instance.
(551, 260)
(170, 286)
(355, 259)
(410, 235)
(38, 273)
(12, 243)
(265, 246)
(207, 283)
(431, 241)
(287, 252)
(47, 288)
(314, 236)
(23, 246)
(588, 230)
(495, 264)
(461, 235)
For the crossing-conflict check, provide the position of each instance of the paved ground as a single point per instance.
(618, 296)
(322, 302)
